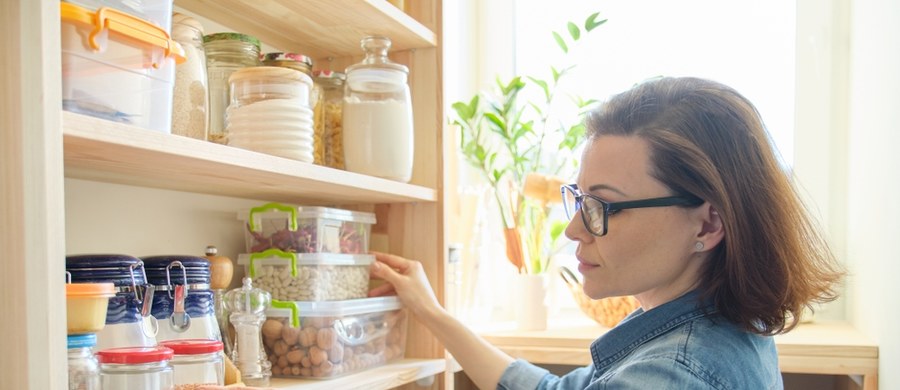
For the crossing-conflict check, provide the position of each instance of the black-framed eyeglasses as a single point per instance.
(595, 212)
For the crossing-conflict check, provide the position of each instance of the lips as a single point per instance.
(584, 265)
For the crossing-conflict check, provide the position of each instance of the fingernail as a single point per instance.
(376, 266)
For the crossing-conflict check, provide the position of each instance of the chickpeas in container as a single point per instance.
(309, 276)
(329, 339)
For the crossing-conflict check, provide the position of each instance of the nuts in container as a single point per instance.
(306, 229)
(309, 276)
(330, 339)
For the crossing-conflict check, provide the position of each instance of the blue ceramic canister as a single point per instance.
(128, 319)
(183, 301)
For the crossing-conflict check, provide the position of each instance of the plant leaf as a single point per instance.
(500, 125)
(543, 85)
(592, 22)
(574, 31)
(560, 42)
(556, 229)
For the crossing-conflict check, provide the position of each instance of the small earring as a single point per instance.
(698, 246)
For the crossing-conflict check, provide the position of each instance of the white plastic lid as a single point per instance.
(323, 258)
(343, 308)
(338, 214)
(317, 212)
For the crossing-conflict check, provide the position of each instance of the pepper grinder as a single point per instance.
(247, 306)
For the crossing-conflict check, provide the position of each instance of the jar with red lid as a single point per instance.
(196, 362)
(136, 368)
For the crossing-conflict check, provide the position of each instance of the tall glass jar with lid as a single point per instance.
(328, 117)
(190, 111)
(225, 53)
(377, 115)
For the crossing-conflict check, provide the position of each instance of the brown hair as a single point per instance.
(709, 141)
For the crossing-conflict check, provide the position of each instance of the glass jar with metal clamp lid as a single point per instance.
(184, 302)
(129, 321)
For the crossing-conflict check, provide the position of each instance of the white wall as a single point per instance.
(104, 218)
(873, 206)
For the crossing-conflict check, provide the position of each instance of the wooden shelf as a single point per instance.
(105, 151)
(317, 28)
(389, 376)
(833, 348)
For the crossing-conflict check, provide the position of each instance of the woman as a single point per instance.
(681, 202)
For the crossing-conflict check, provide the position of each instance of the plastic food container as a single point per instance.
(309, 276)
(196, 362)
(158, 12)
(86, 305)
(330, 339)
(306, 229)
(117, 67)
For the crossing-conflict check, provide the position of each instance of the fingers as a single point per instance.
(382, 290)
(393, 261)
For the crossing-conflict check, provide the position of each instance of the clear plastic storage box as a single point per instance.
(309, 276)
(330, 339)
(117, 67)
(158, 12)
(306, 229)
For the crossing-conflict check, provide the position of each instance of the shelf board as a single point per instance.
(100, 150)
(323, 28)
(812, 348)
(388, 376)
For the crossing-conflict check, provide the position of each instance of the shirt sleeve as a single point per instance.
(521, 375)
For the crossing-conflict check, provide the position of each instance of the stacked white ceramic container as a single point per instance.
(270, 113)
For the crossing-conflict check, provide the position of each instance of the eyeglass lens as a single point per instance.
(592, 210)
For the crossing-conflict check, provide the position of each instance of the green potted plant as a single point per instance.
(521, 147)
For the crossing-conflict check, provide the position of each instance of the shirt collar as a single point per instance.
(640, 327)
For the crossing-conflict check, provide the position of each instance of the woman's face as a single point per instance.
(647, 252)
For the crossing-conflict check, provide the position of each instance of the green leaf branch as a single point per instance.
(505, 138)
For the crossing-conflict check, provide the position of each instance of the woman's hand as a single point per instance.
(407, 279)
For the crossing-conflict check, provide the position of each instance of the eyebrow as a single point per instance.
(597, 187)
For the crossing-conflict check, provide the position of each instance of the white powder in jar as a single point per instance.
(189, 111)
(378, 138)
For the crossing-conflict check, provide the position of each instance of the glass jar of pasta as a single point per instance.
(329, 117)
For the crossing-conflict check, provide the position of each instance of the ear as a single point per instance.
(712, 230)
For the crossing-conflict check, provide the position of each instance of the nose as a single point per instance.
(576, 231)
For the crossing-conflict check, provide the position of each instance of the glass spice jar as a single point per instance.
(136, 368)
(329, 120)
(84, 371)
(225, 53)
(377, 115)
(190, 110)
(196, 362)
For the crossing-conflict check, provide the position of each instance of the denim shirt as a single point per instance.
(681, 344)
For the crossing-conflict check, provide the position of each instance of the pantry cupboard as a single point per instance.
(43, 148)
